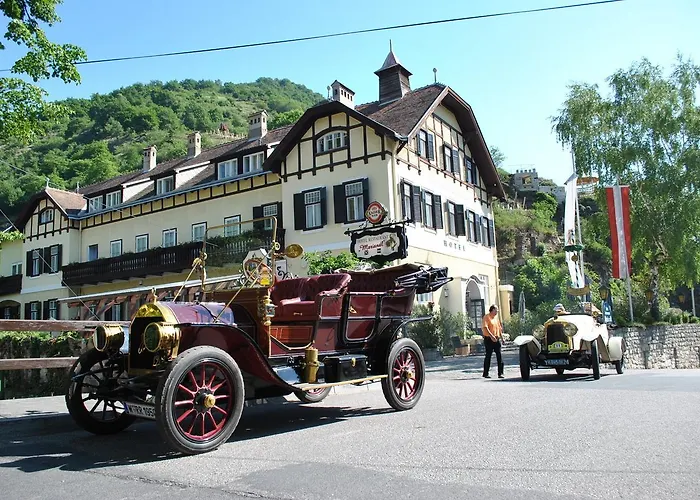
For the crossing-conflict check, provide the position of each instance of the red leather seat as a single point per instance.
(307, 305)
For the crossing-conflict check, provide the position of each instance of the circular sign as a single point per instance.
(375, 213)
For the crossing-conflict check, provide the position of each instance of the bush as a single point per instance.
(437, 332)
(673, 316)
(694, 319)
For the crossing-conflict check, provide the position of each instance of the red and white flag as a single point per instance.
(620, 233)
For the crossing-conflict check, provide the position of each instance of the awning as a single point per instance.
(122, 294)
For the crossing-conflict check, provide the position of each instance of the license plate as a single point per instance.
(556, 362)
(144, 411)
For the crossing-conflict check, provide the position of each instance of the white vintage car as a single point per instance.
(568, 341)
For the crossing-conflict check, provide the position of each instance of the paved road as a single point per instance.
(634, 436)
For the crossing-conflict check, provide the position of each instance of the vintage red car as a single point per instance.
(191, 365)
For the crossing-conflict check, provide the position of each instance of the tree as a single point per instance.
(22, 104)
(497, 156)
(327, 263)
(646, 134)
(286, 118)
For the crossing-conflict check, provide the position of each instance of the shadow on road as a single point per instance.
(141, 443)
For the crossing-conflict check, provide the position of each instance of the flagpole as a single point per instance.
(627, 272)
(578, 221)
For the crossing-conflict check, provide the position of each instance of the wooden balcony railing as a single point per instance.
(10, 284)
(134, 265)
(159, 260)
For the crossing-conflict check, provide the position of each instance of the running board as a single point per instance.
(311, 387)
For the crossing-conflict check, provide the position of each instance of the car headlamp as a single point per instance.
(538, 332)
(108, 337)
(160, 336)
(570, 330)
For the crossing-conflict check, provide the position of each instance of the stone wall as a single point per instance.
(669, 346)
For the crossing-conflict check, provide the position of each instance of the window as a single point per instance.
(470, 173)
(432, 210)
(141, 244)
(455, 219)
(232, 226)
(198, 231)
(113, 199)
(7, 313)
(46, 216)
(115, 248)
(331, 141)
(52, 309)
(253, 163)
(92, 253)
(165, 185)
(36, 262)
(310, 209)
(425, 146)
(115, 313)
(34, 310)
(350, 200)
(406, 201)
(487, 230)
(428, 209)
(228, 169)
(424, 298)
(451, 159)
(451, 219)
(312, 202)
(94, 204)
(169, 237)
(269, 211)
(472, 233)
(54, 264)
(16, 268)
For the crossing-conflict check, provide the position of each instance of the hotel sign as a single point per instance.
(380, 245)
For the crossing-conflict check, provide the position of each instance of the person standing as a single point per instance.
(492, 332)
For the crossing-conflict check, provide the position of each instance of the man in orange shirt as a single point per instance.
(492, 331)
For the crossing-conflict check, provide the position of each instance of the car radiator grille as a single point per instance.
(555, 333)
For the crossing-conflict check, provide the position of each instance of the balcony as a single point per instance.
(10, 284)
(158, 261)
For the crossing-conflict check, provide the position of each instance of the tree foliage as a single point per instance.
(327, 262)
(24, 111)
(646, 134)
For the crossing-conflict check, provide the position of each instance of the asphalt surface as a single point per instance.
(631, 436)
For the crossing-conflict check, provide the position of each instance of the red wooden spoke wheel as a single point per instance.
(200, 400)
(406, 375)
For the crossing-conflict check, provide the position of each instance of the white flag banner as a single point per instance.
(570, 231)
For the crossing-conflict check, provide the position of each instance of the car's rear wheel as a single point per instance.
(199, 400)
(406, 366)
(559, 370)
(313, 396)
(620, 365)
(595, 360)
(524, 363)
(91, 380)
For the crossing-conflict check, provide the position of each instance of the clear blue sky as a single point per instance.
(514, 71)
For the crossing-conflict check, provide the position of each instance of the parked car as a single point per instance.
(568, 341)
(191, 365)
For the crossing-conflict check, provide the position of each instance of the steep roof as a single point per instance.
(68, 202)
(403, 114)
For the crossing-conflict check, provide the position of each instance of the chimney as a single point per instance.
(393, 79)
(341, 93)
(149, 158)
(257, 125)
(194, 144)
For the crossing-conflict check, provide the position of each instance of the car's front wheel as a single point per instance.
(313, 396)
(200, 400)
(524, 363)
(406, 366)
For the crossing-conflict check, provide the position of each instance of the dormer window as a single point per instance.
(113, 199)
(94, 204)
(46, 216)
(227, 169)
(253, 163)
(331, 141)
(165, 185)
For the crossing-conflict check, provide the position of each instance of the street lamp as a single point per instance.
(649, 294)
(604, 293)
(681, 298)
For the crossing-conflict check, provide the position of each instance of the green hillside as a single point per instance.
(104, 135)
